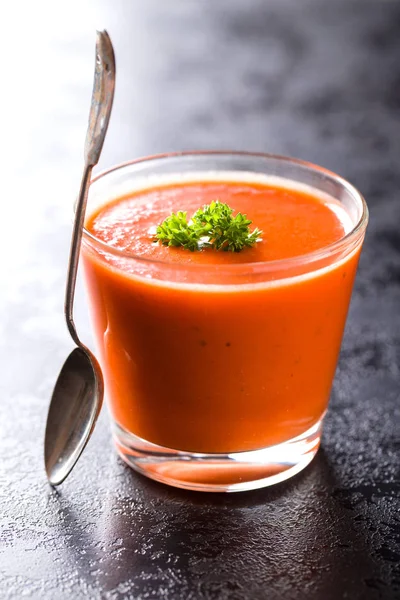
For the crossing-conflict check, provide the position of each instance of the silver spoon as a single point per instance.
(78, 393)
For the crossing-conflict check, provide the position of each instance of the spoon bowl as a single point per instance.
(75, 405)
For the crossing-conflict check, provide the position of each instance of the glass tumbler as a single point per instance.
(218, 377)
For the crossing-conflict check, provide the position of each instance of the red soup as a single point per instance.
(207, 361)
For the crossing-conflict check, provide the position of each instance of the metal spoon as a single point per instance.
(78, 393)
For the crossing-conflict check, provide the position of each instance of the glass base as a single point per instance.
(233, 472)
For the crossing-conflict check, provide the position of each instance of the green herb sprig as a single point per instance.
(212, 226)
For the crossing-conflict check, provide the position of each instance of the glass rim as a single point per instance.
(353, 235)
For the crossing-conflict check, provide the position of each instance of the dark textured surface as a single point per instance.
(315, 79)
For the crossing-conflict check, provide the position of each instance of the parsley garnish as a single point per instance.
(212, 226)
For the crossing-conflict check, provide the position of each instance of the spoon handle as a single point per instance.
(99, 116)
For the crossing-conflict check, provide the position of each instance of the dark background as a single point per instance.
(315, 79)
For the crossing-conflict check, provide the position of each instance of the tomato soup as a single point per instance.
(203, 351)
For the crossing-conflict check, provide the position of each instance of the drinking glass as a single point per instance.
(218, 377)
